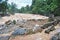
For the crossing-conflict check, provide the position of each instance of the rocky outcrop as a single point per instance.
(4, 37)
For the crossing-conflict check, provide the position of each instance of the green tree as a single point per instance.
(3, 6)
(45, 7)
(25, 9)
(12, 8)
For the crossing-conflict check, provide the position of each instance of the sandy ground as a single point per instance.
(21, 16)
(37, 36)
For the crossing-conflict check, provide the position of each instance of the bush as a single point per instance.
(14, 21)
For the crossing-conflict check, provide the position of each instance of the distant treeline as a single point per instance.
(43, 7)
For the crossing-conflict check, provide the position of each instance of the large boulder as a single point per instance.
(19, 31)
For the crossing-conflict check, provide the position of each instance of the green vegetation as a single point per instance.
(43, 7)
(14, 21)
(46, 7)
(26, 9)
(3, 6)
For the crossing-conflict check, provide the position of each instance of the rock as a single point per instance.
(56, 22)
(56, 37)
(50, 24)
(19, 31)
(20, 22)
(2, 26)
(29, 31)
(57, 17)
(57, 30)
(4, 37)
(46, 25)
(8, 22)
(37, 28)
(51, 28)
(21, 26)
(39, 39)
(47, 31)
(5, 28)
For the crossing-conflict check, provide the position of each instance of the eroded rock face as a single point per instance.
(4, 37)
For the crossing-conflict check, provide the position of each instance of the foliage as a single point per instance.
(14, 21)
(6, 7)
(3, 6)
(25, 9)
(45, 7)
(12, 8)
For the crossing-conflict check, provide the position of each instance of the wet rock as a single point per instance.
(19, 31)
(4, 37)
